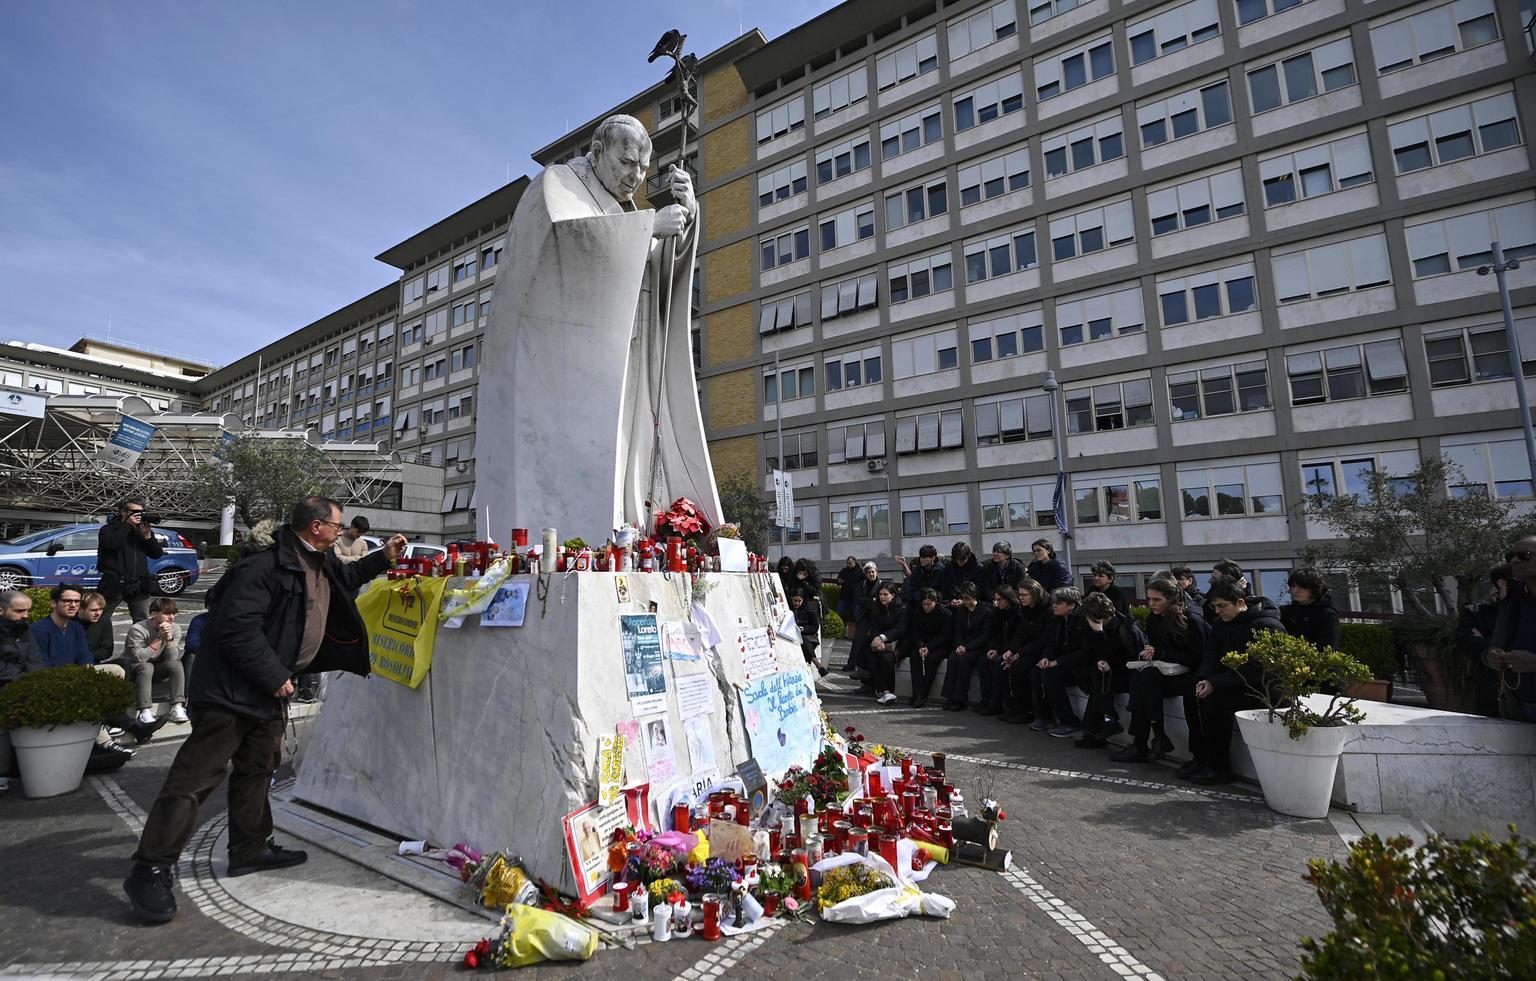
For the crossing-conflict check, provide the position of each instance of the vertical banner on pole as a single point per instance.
(783, 500)
(1059, 504)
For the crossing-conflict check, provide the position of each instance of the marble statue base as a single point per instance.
(499, 742)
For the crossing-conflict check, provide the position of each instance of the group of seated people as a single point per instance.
(78, 630)
(1029, 635)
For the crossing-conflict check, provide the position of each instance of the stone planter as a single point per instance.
(53, 760)
(1377, 690)
(1295, 774)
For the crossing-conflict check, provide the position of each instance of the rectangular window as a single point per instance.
(465, 266)
(785, 247)
(1249, 11)
(464, 357)
(860, 520)
(1007, 336)
(793, 382)
(1172, 29)
(1325, 68)
(1001, 96)
(1197, 202)
(1352, 371)
(1092, 230)
(910, 132)
(849, 296)
(1326, 270)
(986, 26)
(917, 57)
(847, 89)
(1433, 33)
(1117, 499)
(1496, 468)
(926, 432)
(1099, 317)
(1013, 420)
(1016, 507)
(909, 205)
(1316, 170)
(918, 278)
(1241, 490)
(1088, 145)
(942, 513)
(842, 159)
(784, 313)
(1109, 405)
(800, 450)
(785, 182)
(437, 279)
(490, 254)
(850, 369)
(998, 255)
(853, 441)
(1463, 242)
(1073, 68)
(413, 289)
(464, 312)
(1199, 296)
(1184, 114)
(924, 354)
(847, 226)
(782, 119)
(1218, 391)
(1477, 354)
(994, 176)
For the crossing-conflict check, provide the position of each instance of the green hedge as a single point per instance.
(63, 696)
(42, 603)
(1371, 644)
(832, 626)
(831, 595)
(1141, 613)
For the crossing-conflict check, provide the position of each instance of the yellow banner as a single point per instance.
(401, 616)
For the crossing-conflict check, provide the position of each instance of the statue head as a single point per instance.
(620, 155)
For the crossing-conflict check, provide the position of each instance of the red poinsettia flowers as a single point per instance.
(683, 519)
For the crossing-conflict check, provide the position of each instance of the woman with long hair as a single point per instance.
(1175, 642)
(887, 626)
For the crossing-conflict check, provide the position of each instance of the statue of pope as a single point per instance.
(588, 407)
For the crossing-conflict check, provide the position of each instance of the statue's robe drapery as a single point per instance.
(587, 350)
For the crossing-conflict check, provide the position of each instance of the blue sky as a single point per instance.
(206, 177)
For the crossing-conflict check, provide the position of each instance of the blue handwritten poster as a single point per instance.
(781, 721)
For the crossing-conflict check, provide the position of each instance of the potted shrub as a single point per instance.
(1373, 647)
(1447, 909)
(1295, 747)
(53, 715)
(1449, 681)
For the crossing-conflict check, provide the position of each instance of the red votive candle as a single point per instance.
(858, 841)
(711, 930)
(682, 818)
(620, 892)
(888, 849)
(520, 537)
(906, 768)
(876, 783)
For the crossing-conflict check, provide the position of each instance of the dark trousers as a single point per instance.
(808, 648)
(138, 607)
(957, 683)
(1100, 687)
(1008, 686)
(1149, 687)
(1049, 687)
(218, 739)
(925, 669)
(1211, 721)
(882, 668)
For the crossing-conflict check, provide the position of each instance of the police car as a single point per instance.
(68, 554)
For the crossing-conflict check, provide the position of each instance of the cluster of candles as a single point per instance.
(645, 555)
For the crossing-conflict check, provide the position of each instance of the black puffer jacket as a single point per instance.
(1235, 636)
(1118, 643)
(889, 622)
(1186, 647)
(1026, 637)
(251, 643)
(1115, 595)
(862, 596)
(1051, 573)
(18, 650)
(1002, 627)
(1010, 573)
(971, 628)
(1316, 622)
(921, 577)
(1066, 640)
(932, 630)
(955, 574)
(122, 558)
(1208, 609)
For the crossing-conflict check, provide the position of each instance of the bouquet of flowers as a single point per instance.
(823, 788)
(848, 881)
(661, 889)
(891, 756)
(682, 520)
(715, 875)
(652, 864)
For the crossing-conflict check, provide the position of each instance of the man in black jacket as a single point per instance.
(1003, 570)
(1104, 582)
(961, 568)
(18, 648)
(920, 578)
(278, 612)
(1225, 570)
(124, 547)
(1221, 692)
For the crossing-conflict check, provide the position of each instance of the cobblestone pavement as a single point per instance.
(1119, 871)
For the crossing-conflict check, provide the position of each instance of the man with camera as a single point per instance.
(124, 547)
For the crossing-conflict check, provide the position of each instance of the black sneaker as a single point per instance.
(271, 856)
(145, 731)
(105, 759)
(1112, 727)
(1187, 770)
(1130, 754)
(1089, 740)
(1161, 747)
(149, 892)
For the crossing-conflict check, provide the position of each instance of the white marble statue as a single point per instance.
(588, 407)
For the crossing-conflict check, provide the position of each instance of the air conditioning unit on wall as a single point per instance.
(875, 466)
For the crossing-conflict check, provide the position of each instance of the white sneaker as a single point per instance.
(179, 714)
(147, 717)
(887, 698)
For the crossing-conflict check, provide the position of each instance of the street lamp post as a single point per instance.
(1499, 268)
(1051, 387)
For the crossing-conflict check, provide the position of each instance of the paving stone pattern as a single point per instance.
(1120, 871)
